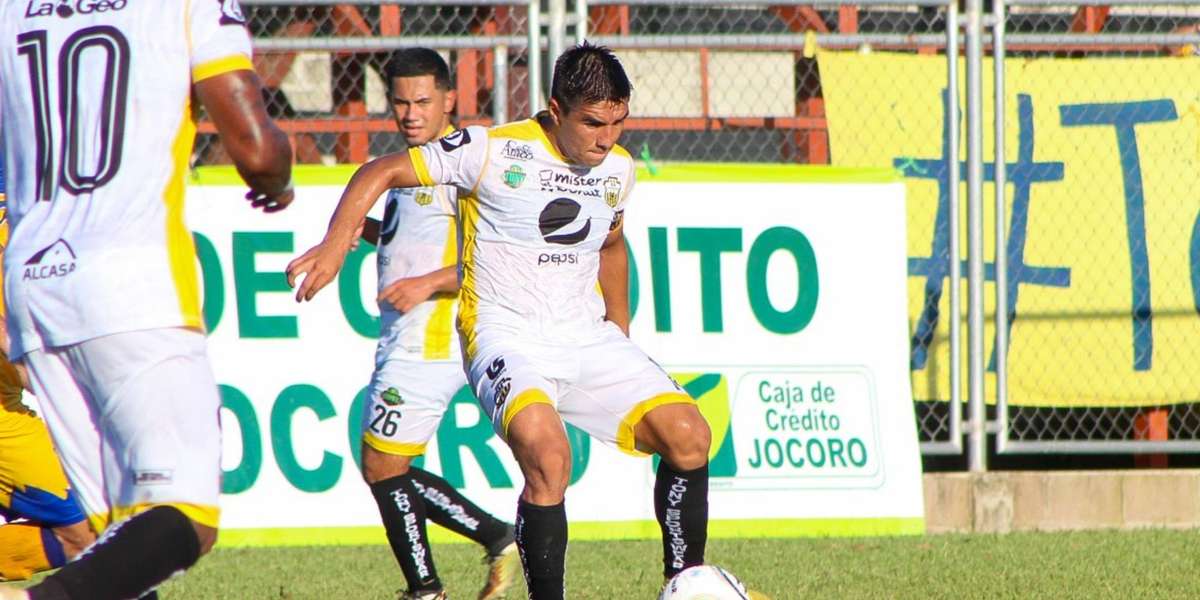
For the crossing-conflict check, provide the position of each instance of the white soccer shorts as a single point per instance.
(134, 417)
(604, 387)
(406, 403)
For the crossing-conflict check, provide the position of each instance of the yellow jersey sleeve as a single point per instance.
(217, 38)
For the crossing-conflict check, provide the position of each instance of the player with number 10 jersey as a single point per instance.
(100, 275)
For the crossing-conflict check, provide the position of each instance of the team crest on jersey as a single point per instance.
(612, 191)
(55, 260)
(455, 140)
(231, 13)
(391, 397)
(514, 176)
(423, 197)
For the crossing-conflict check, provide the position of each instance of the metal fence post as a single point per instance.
(556, 29)
(976, 426)
(954, 214)
(500, 90)
(1000, 350)
(534, 23)
(581, 21)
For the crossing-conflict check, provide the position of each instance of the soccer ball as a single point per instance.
(705, 582)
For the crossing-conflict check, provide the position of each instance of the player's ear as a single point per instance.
(451, 99)
(555, 111)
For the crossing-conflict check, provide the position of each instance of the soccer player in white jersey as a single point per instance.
(100, 273)
(418, 364)
(540, 212)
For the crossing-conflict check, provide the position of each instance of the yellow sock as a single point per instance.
(21, 552)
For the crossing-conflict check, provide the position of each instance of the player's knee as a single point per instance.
(548, 474)
(540, 446)
(687, 442)
(546, 466)
(378, 466)
(554, 463)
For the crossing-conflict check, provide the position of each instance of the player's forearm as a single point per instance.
(369, 182)
(259, 149)
(614, 284)
(445, 279)
(271, 173)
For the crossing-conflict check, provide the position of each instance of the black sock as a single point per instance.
(404, 519)
(445, 506)
(681, 505)
(129, 560)
(542, 540)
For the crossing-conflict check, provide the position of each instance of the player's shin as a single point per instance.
(403, 514)
(542, 541)
(681, 506)
(450, 509)
(128, 561)
(28, 549)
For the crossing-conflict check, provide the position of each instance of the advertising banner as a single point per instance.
(777, 305)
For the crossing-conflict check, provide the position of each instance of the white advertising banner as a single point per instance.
(780, 306)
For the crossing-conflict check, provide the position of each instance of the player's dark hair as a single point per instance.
(417, 62)
(587, 74)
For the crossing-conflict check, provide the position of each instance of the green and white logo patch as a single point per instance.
(514, 176)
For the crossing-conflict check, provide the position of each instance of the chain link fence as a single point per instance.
(1129, 375)
(720, 82)
(713, 81)
(321, 64)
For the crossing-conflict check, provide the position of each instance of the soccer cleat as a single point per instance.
(502, 572)
(438, 595)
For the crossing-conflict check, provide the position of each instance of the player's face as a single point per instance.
(588, 132)
(422, 111)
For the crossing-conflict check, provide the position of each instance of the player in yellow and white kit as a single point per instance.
(45, 527)
(541, 220)
(418, 364)
(100, 274)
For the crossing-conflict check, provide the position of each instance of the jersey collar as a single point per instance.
(537, 125)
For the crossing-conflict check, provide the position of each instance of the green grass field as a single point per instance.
(1142, 564)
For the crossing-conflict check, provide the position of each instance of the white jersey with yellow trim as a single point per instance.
(418, 236)
(96, 117)
(531, 227)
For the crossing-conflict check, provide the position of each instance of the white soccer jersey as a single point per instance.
(531, 227)
(98, 126)
(418, 236)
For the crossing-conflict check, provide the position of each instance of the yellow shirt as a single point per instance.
(10, 380)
